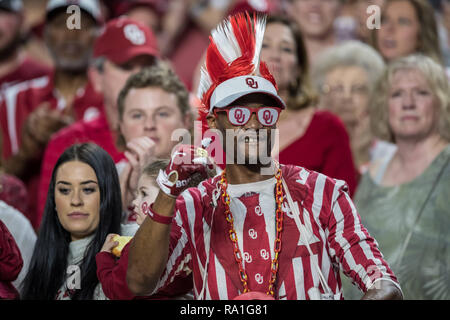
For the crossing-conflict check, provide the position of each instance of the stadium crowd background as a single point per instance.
(58, 84)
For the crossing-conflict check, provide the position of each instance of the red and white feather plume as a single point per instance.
(234, 50)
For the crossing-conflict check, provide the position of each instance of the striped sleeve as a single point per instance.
(351, 244)
(179, 258)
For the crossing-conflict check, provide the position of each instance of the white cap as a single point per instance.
(232, 89)
(12, 5)
(92, 7)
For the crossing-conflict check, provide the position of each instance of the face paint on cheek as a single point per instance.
(144, 208)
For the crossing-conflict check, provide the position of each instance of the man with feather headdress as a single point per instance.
(258, 230)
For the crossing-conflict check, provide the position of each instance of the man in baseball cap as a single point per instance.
(71, 45)
(122, 49)
(11, 5)
(133, 39)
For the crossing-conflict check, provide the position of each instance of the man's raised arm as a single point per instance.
(149, 250)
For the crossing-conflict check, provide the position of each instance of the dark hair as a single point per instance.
(48, 267)
(301, 93)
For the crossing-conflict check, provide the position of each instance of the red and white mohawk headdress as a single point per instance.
(233, 68)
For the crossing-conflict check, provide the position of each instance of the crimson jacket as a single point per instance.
(112, 272)
(19, 100)
(10, 263)
(28, 69)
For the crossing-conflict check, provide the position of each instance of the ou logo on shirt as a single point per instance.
(252, 234)
(259, 278)
(264, 254)
(247, 257)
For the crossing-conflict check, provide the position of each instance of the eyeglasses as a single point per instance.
(340, 90)
(239, 115)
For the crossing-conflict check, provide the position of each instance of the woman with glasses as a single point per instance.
(345, 77)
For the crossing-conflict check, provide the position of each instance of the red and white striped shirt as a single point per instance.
(200, 238)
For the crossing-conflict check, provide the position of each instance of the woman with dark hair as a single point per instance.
(407, 27)
(301, 125)
(83, 206)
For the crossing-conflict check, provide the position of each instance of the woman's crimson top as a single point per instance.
(325, 148)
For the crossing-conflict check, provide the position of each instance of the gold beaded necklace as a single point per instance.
(279, 227)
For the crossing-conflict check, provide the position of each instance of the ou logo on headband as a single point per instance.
(251, 83)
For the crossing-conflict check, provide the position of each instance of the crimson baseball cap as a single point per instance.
(123, 39)
(91, 7)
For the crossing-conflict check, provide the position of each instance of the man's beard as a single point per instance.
(250, 147)
(78, 65)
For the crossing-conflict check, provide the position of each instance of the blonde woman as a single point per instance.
(403, 199)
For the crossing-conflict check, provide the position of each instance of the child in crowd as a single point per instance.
(111, 271)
